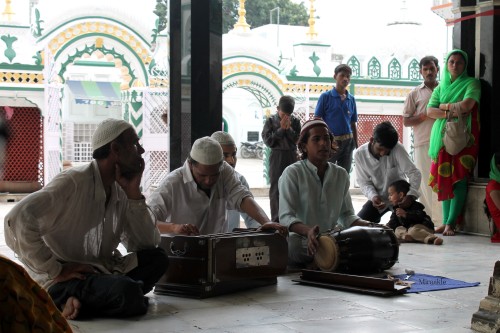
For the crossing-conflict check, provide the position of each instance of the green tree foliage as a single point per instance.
(258, 13)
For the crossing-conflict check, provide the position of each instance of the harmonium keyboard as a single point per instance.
(209, 265)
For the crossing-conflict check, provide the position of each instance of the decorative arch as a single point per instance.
(394, 69)
(414, 70)
(124, 57)
(374, 68)
(263, 83)
(353, 62)
(76, 38)
(104, 26)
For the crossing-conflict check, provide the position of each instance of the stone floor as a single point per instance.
(290, 307)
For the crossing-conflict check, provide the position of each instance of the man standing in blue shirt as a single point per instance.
(337, 107)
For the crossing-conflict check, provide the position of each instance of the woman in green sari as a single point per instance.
(457, 93)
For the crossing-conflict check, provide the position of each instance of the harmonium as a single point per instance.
(209, 265)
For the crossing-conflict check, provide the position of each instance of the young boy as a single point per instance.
(281, 132)
(411, 224)
(337, 107)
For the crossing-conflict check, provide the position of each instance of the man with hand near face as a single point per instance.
(280, 133)
(193, 199)
(67, 234)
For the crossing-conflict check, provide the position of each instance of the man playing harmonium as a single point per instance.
(192, 199)
(314, 195)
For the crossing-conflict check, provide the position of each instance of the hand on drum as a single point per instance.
(312, 240)
(281, 229)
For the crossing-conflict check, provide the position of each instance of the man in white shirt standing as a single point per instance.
(415, 115)
(380, 162)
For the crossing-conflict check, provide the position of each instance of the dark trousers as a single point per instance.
(113, 295)
(343, 156)
(278, 161)
(370, 213)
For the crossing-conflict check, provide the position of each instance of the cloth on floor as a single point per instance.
(425, 282)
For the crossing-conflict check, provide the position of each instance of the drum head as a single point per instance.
(326, 257)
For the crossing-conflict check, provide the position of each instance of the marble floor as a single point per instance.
(291, 307)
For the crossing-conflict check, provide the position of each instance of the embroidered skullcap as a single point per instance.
(312, 123)
(206, 151)
(223, 138)
(107, 131)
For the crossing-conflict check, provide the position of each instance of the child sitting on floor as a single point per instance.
(410, 224)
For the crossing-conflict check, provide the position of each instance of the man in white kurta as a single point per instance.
(67, 234)
(179, 200)
(304, 198)
(193, 199)
(380, 162)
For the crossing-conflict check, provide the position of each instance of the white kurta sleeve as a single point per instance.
(363, 175)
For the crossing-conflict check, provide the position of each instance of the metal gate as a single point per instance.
(52, 114)
(155, 138)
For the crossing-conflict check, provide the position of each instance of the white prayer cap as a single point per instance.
(206, 151)
(312, 123)
(223, 138)
(107, 131)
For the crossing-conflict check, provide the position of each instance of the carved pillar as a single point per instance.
(487, 318)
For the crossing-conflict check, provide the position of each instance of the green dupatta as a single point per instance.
(494, 172)
(451, 92)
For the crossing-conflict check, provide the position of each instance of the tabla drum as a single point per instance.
(357, 250)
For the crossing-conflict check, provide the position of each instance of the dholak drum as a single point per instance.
(357, 249)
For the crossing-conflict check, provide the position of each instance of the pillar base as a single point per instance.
(487, 318)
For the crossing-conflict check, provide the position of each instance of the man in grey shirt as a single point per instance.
(281, 132)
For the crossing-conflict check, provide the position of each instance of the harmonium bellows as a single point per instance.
(209, 265)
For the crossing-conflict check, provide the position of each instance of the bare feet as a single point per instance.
(448, 231)
(71, 308)
(438, 241)
(408, 238)
(440, 229)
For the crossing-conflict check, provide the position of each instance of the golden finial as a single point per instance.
(8, 10)
(242, 24)
(311, 33)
